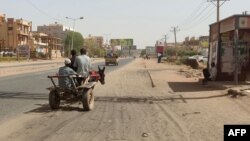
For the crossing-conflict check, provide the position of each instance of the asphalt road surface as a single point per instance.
(21, 93)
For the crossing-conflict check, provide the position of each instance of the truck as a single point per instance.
(111, 59)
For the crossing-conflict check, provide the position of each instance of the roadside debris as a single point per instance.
(194, 113)
(191, 73)
(144, 134)
(236, 92)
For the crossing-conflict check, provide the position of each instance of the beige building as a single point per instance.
(55, 45)
(55, 30)
(14, 33)
(2, 31)
(93, 41)
(45, 45)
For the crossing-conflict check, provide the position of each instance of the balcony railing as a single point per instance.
(23, 32)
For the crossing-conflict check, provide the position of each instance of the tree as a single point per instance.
(78, 42)
(96, 51)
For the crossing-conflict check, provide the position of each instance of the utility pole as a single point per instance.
(174, 30)
(165, 44)
(165, 37)
(218, 10)
(218, 5)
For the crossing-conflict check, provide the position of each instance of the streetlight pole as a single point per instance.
(72, 38)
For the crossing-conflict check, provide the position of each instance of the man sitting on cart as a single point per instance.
(83, 65)
(66, 82)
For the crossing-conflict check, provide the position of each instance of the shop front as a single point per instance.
(229, 48)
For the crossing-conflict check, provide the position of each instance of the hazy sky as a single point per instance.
(143, 20)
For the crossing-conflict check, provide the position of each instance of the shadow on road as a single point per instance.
(23, 95)
(150, 100)
(66, 106)
(45, 108)
(192, 87)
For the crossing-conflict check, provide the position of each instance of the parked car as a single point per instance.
(7, 53)
(199, 58)
(1, 53)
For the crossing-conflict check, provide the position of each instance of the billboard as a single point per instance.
(121, 42)
(23, 50)
(159, 49)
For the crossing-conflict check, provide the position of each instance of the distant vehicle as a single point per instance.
(11, 53)
(7, 53)
(199, 58)
(111, 60)
(1, 53)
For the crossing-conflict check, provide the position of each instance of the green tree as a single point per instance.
(96, 51)
(204, 44)
(77, 40)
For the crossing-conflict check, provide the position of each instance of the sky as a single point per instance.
(143, 20)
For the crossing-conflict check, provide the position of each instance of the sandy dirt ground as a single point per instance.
(127, 108)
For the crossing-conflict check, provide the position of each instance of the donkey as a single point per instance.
(98, 75)
(102, 75)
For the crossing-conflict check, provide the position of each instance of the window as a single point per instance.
(10, 28)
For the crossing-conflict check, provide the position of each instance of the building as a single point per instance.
(2, 31)
(151, 51)
(55, 30)
(229, 48)
(93, 41)
(55, 45)
(46, 46)
(40, 44)
(193, 42)
(129, 50)
(14, 33)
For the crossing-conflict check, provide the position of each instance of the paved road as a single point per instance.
(34, 63)
(30, 64)
(24, 92)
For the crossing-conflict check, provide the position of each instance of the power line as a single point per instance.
(199, 16)
(42, 12)
(190, 17)
(205, 18)
(218, 5)
(200, 20)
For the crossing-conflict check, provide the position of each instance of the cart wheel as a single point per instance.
(88, 99)
(54, 99)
